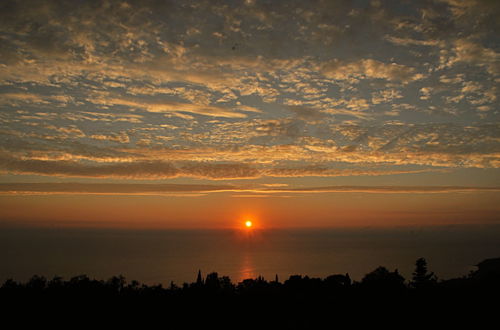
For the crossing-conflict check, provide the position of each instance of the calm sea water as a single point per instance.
(161, 256)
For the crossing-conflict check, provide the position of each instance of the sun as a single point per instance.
(248, 224)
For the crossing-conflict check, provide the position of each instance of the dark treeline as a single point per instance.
(297, 302)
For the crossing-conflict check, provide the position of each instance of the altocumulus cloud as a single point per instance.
(247, 89)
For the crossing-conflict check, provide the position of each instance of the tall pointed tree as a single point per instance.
(421, 276)
(199, 279)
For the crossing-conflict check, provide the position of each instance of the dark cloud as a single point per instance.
(219, 171)
(165, 170)
(79, 169)
(306, 113)
(138, 169)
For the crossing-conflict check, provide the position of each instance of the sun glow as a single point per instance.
(248, 224)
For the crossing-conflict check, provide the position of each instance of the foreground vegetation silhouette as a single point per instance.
(298, 302)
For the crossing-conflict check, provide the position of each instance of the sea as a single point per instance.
(176, 256)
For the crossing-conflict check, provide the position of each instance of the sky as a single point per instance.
(201, 114)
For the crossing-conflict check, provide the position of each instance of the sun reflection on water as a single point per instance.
(247, 268)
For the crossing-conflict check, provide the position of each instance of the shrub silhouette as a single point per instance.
(383, 279)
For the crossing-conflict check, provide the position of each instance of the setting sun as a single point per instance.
(248, 224)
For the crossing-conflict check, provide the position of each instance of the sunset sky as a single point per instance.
(203, 114)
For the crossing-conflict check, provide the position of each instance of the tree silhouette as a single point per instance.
(382, 278)
(302, 301)
(338, 281)
(421, 276)
(117, 283)
(226, 284)
(37, 283)
(212, 281)
(199, 279)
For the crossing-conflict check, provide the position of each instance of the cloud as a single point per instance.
(196, 189)
(219, 171)
(274, 185)
(391, 189)
(410, 41)
(369, 68)
(70, 131)
(251, 149)
(163, 169)
(318, 171)
(386, 96)
(138, 169)
(357, 104)
(425, 93)
(459, 78)
(306, 113)
(108, 188)
(268, 97)
(122, 137)
(470, 52)
(165, 106)
(77, 169)
(102, 116)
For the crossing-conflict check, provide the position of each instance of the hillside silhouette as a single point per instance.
(381, 296)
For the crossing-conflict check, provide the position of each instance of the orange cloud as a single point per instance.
(369, 68)
(196, 189)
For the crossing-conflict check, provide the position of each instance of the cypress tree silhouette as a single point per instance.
(421, 276)
(199, 279)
